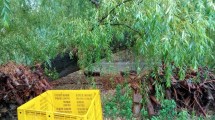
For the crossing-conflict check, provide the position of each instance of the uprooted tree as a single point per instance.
(170, 35)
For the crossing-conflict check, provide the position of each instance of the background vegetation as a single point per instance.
(170, 31)
(174, 33)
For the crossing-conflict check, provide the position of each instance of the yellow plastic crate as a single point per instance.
(63, 105)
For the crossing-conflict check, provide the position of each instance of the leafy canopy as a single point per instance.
(168, 31)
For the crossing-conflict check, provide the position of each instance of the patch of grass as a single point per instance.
(167, 112)
(120, 104)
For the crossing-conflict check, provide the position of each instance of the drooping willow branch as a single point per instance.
(5, 13)
(122, 24)
(112, 10)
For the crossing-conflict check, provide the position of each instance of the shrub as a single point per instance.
(119, 105)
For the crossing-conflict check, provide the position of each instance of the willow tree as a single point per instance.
(176, 33)
(34, 30)
(173, 32)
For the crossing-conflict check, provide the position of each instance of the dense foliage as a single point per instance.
(36, 30)
(179, 33)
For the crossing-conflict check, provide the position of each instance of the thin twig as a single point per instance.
(203, 111)
(207, 81)
(176, 96)
(121, 24)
